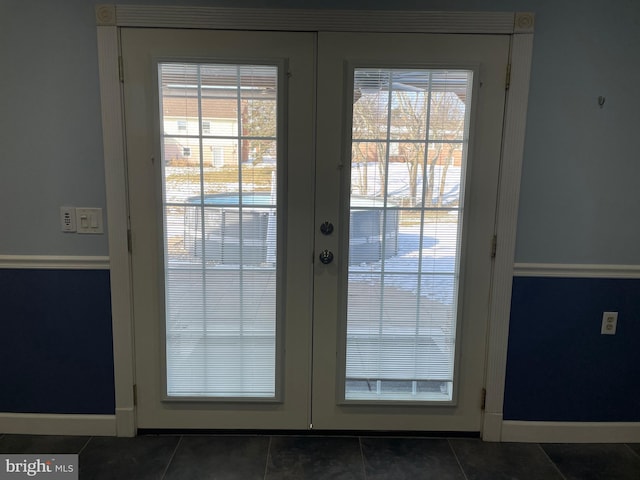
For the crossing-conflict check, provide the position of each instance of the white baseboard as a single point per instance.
(570, 432)
(53, 424)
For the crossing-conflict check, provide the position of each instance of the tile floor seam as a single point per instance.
(85, 445)
(453, 450)
(364, 468)
(266, 462)
(544, 452)
(166, 469)
(628, 446)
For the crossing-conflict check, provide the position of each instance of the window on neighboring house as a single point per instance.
(186, 151)
(206, 127)
(182, 125)
(218, 156)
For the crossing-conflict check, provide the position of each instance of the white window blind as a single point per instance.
(409, 142)
(220, 228)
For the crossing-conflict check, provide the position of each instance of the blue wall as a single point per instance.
(56, 352)
(559, 366)
(579, 171)
(579, 202)
(50, 126)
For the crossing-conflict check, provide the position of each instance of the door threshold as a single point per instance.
(309, 433)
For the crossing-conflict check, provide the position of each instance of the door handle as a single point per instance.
(326, 228)
(326, 257)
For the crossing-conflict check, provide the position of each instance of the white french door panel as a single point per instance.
(219, 138)
(232, 171)
(408, 149)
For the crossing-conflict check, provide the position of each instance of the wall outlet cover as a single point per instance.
(609, 323)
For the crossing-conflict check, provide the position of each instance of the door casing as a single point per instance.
(110, 18)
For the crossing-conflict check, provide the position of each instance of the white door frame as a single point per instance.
(110, 18)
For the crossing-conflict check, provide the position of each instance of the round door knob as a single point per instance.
(326, 257)
(326, 228)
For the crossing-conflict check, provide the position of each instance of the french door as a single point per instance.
(311, 220)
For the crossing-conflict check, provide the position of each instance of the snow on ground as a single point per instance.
(439, 241)
(398, 181)
(438, 263)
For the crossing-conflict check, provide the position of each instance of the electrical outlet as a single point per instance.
(609, 323)
(68, 219)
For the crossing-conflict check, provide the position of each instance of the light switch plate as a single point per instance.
(89, 220)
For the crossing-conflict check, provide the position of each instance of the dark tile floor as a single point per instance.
(246, 457)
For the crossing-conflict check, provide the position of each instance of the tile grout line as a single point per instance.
(464, 474)
(628, 446)
(544, 452)
(364, 468)
(166, 469)
(84, 446)
(266, 463)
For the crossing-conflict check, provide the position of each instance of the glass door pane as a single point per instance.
(409, 147)
(219, 136)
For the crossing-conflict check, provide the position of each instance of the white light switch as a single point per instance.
(89, 220)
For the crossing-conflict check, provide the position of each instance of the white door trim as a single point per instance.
(305, 20)
(117, 219)
(506, 220)
(109, 18)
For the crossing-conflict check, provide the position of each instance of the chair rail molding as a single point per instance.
(569, 270)
(54, 262)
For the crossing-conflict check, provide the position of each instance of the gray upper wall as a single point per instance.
(579, 199)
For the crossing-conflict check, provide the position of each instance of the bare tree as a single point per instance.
(258, 118)
(421, 142)
(369, 123)
(447, 127)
